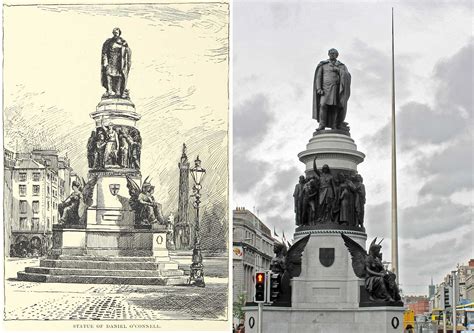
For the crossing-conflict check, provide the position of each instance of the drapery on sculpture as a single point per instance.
(116, 62)
(114, 146)
(72, 211)
(331, 91)
(324, 198)
(147, 210)
(380, 283)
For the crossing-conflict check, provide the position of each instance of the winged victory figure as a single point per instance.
(73, 210)
(287, 264)
(380, 283)
(147, 210)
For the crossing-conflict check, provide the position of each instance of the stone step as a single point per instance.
(110, 258)
(99, 272)
(142, 280)
(168, 265)
(95, 264)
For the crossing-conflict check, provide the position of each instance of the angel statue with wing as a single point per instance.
(147, 210)
(73, 209)
(287, 264)
(380, 283)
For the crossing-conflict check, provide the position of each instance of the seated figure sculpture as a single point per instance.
(379, 282)
(147, 210)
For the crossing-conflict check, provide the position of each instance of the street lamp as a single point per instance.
(197, 269)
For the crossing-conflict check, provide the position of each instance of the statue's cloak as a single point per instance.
(344, 90)
(125, 62)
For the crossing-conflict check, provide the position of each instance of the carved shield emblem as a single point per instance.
(114, 188)
(326, 256)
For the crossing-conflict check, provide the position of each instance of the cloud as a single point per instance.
(252, 120)
(419, 124)
(455, 80)
(434, 217)
(371, 71)
(450, 170)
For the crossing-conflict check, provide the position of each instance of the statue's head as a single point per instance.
(76, 186)
(359, 178)
(325, 168)
(302, 179)
(279, 248)
(333, 54)
(116, 32)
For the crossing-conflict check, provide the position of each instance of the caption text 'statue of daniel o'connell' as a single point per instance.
(116, 326)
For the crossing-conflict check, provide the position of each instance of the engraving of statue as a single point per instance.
(331, 91)
(72, 211)
(147, 210)
(116, 62)
(124, 157)
(135, 145)
(99, 151)
(111, 147)
(380, 283)
(91, 149)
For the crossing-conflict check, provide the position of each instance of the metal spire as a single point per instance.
(394, 170)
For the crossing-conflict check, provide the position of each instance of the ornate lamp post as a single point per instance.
(197, 269)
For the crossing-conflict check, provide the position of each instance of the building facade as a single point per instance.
(252, 251)
(34, 185)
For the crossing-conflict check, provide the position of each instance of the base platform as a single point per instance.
(290, 320)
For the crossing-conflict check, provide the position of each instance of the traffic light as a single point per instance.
(445, 298)
(275, 280)
(260, 287)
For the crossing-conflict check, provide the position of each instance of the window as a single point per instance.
(36, 207)
(22, 190)
(23, 223)
(36, 189)
(35, 223)
(36, 176)
(49, 190)
(49, 223)
(48, 204)
(22, 176)
(23, 206)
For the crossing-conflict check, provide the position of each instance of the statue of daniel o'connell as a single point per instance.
(116, 62)
(331, 91)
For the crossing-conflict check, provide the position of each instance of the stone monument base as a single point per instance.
(121, 255)
(290, 320)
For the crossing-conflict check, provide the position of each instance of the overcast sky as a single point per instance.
(178, 82)
(276, 47)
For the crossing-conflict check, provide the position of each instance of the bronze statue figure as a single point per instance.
(298, 200)
(331, 91)
(379, 282)
(326, 192)
(116, 62)
(287, 264)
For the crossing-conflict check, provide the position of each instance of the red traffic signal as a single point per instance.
(260, 288)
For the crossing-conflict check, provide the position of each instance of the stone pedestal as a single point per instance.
(322, 284)
(110, 248)
(326, 320)
(339, 151)
(326, 296)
